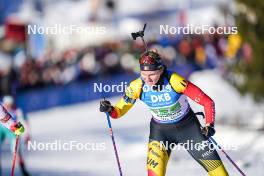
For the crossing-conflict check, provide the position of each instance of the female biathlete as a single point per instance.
(173, 121)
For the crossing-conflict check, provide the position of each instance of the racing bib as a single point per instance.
(171, 113)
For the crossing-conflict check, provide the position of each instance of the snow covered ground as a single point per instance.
(85, 124)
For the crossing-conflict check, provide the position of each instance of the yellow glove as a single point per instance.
(18, 128)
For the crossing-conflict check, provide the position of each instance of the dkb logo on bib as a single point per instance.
(160, 98)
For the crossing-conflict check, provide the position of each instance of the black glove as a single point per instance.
(105, 106)
(208, 130)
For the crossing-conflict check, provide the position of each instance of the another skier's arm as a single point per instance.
(7, 121)
(181, 85)
(23, 118)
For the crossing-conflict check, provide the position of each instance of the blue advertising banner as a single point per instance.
(75, 92)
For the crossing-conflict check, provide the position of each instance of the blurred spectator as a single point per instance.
(7, 75)
(182, 52)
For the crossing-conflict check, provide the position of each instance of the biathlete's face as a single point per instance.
(151, 77)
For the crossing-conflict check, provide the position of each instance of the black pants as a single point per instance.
(187, 133)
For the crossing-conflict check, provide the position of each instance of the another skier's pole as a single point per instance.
(228, 157)
(14, 157)
(113, 140)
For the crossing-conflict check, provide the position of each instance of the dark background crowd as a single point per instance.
(185, 53)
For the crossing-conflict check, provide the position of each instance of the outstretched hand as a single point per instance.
(105, 106)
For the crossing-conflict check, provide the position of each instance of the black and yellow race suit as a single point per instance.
(173, 121)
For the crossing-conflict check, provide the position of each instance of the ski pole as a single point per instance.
(220, 148)
(113, 140)
(227, 156)
(14, 157)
